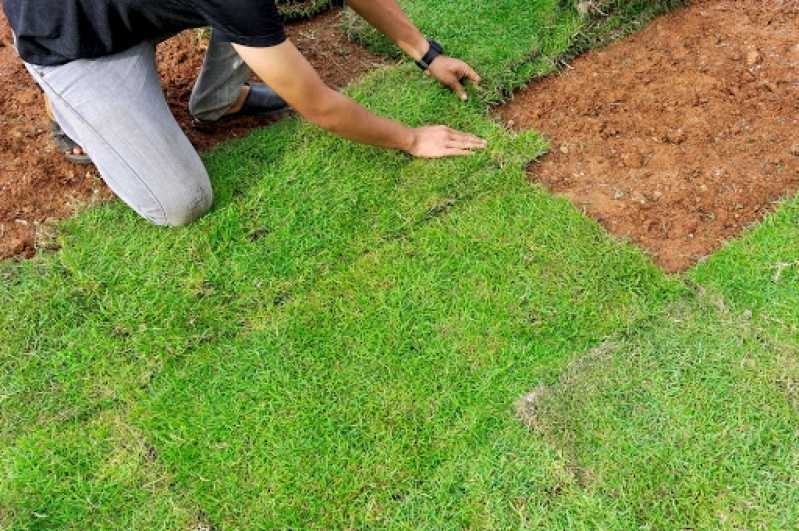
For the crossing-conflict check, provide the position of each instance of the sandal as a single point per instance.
(67, 146)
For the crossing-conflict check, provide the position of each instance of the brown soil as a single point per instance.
(37, 185)
(681, 135)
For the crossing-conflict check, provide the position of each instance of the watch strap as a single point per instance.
(434, 51)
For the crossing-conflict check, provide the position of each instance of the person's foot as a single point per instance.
(256, 99)
(68, 148)
(244, 93)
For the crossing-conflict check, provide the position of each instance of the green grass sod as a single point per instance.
(97, 474)
(367, 401)
(116, 304)
(759, 273)
(507, 41)
(313, 213)
(103, 348)
(691, 423)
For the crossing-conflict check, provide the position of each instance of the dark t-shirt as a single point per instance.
(53, 32)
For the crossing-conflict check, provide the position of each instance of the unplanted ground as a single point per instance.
(340, 342)
(681, 135)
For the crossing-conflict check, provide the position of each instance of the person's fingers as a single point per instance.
(478, 140)
(461, 134)
(471, 74)
(469, 145)
(466, 145)
(458, 89)
(457, 152)
(467, 139)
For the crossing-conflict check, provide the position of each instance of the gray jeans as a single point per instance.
(115, 109)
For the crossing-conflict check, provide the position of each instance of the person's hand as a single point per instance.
(440, 141)
(451, 72)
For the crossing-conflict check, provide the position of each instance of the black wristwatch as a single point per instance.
(434, 51)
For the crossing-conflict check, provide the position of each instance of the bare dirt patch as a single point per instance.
(681, 135)
(37, 185)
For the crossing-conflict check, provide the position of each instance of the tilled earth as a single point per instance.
(680, 136)
(37, 185)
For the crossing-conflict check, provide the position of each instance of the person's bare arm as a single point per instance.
(387, 16)
(284, 69)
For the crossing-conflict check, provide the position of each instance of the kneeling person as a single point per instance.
(96, 64)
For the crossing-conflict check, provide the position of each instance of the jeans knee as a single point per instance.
(189, 207)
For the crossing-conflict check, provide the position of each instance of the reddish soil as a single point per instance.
(37, 185)
(681, 135)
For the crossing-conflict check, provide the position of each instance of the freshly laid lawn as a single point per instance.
(383, 395)
(759, 274)
(341, 342)
(688, 423)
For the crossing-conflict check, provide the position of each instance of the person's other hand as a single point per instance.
(440, 141)
(451, 72)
